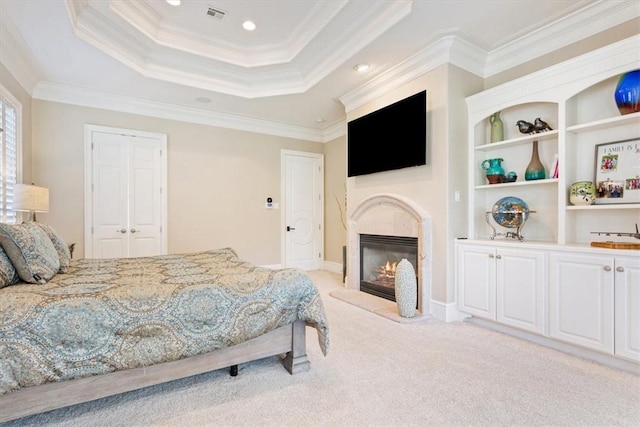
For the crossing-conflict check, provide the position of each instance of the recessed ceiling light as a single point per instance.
(361, 68)
(203, 99)
(319, 120)
(174, 2)
(249, 25)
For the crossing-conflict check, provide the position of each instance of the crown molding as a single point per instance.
(449, 49)
(586, 22)
(570, 76)
(468, 56)
(144, 19)
(184, 63)
(108, 101)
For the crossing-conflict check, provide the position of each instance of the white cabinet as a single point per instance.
(627, 307)
(594, 302)
(581, 300)
(502, 284)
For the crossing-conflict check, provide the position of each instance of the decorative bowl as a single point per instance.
(510, 212)
(582, 193)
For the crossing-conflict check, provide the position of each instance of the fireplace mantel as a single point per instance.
(391, 215)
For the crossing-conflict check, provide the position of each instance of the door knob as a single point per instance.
(607, 268)
(490, 255)
(123, 230)
(620, 269)
(133, 230)
(290, 228)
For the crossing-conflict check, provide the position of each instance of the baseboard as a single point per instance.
(334, 267)
(585, 353)
(445, 312)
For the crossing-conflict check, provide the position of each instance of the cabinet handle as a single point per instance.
(607, 268)
(498, 256)
(123, 230)
(133, 230)
(490, 255)
(620, 269)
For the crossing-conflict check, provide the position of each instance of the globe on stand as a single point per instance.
(509, 212)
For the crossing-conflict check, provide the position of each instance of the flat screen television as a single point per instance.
(393, 137)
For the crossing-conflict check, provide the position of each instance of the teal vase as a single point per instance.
(535, 169)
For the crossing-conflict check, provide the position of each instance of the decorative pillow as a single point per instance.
(61, 247)
(31, 251)
(8, 273)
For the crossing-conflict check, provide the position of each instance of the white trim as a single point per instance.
(18, 106)
(446, 312)
(75, 95)
(334, 267)
(89, 129)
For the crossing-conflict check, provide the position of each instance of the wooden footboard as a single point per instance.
(288, 340)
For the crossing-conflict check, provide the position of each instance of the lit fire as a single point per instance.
(387, 274)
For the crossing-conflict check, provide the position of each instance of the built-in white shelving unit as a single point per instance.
(576, 98)
(545, 287)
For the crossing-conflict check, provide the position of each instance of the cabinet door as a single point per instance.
(581, 300)
(476, 281)
(520, 284)
(627, 305)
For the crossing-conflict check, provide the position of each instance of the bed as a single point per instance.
(106, 326)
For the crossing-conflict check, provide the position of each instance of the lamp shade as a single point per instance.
(30, 198)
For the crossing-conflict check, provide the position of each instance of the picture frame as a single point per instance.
(617, 172)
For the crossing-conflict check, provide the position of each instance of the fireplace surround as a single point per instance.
(391, 215)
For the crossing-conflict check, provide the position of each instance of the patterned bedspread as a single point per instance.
(115, 314)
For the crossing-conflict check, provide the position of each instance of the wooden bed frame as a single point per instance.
(288, 340)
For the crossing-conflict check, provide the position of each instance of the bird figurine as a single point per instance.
(525, 127)
(541, 125)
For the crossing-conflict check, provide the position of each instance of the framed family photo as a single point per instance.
(617, 168)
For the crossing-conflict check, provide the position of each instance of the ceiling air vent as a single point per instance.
(216, 13)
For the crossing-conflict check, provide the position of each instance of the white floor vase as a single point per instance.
(406, 289)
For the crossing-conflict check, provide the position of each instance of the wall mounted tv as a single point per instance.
(393, 137)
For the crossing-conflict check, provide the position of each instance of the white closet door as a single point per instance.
(126, 201)
(144, 198)
(110, 196)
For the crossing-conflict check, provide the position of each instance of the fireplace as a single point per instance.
(379, 256)
(391, 215)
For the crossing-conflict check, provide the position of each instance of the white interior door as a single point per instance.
(125, 204)
(145, 207)
(109, 196)
(302, 182)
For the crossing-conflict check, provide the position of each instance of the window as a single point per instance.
(10, 117)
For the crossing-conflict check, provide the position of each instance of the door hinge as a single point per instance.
(91, 230)
(92, 145)
(319, 254)
(160, 229)
(160, 190)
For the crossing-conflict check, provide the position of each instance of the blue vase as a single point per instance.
(627, 94)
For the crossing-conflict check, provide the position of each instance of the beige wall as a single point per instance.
(335, 176)
(430, 186)
(11, 84)
(218, 179)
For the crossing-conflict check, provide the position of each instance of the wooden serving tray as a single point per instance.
(616, 245)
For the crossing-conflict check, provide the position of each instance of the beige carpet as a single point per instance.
(384, 373)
